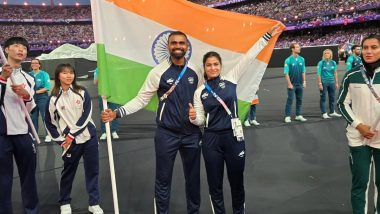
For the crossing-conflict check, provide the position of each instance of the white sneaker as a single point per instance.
(335, 114)
(95, 209)
(47, 139)
(246, 123)
(288, 120)
(66, 209)
(115, 135)
(254, 122)
(325, 116)
(300, 118)
(103, 136)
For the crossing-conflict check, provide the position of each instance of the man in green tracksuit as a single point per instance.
(354, 60)
(360, 107)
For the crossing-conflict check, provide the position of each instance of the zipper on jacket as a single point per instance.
(208, 116)
(162, 110)
(235, 109)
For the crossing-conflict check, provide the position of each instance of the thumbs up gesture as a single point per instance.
(192, 113)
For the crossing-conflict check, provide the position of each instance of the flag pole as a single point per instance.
(22, 104)
(111, 161)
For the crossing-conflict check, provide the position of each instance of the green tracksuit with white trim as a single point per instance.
(358, 105)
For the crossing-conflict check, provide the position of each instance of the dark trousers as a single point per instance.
(330, 89)
(167, 144)
(23, 149)
(90, 153)
(363, 160)
(251, 114)
(298, 91)
(41, 102)
(219, 148)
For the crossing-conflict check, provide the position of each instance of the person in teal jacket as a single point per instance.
(41, 96)
(354, 60)
(327, 77)
(294, 71)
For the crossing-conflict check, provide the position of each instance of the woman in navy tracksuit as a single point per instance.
(219, 143)
(69, 123)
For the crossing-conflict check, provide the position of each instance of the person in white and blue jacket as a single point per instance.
(15, 136)
(68, 121)
(215, 107)
(174, 81)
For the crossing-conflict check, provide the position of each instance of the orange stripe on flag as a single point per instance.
(217, 27)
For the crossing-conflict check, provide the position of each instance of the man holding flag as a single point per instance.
(130, 68)
(174, 131)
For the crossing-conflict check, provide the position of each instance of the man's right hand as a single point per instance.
(108, 115)
(290, 86)
(192, 112)
(6, 72)
(365, 131)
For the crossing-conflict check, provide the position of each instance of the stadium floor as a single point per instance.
(290, 168)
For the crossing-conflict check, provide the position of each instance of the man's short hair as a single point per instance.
(16, 40)
(354, 47)
(177, 33)
(293, 45)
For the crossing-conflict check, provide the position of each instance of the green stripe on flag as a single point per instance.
(243, 109)
(120, 79)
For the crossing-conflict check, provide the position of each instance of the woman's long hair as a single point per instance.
(57, 83)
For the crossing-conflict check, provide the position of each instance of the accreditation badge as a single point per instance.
(237, 129)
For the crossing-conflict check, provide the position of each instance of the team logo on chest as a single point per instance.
(204, 95)
(222, 85)
(77, 102)
(170, 81)
(191, 80)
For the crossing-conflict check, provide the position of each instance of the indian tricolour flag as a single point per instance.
(131, 37)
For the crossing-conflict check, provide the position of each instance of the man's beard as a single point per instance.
(177, 55)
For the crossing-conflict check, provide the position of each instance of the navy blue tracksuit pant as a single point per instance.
(217, 148)
(90, 152)
(167, 144)
(23, 149)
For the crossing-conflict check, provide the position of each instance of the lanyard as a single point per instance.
(362, 70)
(175, 84)
(209, 89)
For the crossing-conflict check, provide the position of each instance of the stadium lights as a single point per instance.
(77, 4)
(43, 4)
(4, 2)
(25, 3)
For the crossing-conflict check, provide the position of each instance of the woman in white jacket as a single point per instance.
(360, 105)
(68, 120)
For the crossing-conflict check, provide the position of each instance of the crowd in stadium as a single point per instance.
(17, 13)
(301, 8)
(322, 37)
(48, 27)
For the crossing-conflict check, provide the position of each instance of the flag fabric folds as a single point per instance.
(131, 38)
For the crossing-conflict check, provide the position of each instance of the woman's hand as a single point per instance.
(192, 113)
(365, 131)
(275, 30)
